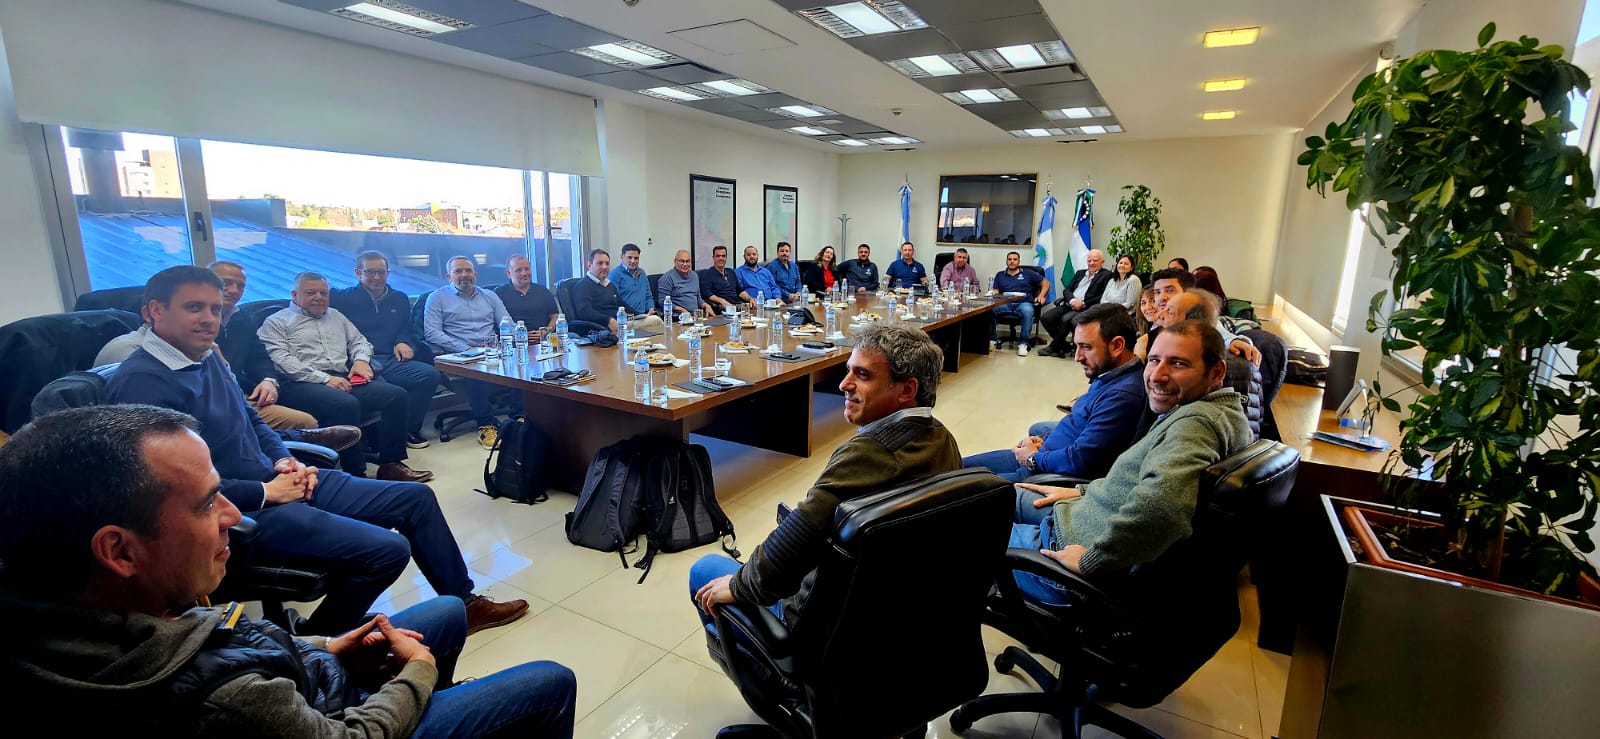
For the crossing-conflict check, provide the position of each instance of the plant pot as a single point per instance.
(1414, 654)
(1360, 519)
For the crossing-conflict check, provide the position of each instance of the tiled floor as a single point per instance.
(641, 662)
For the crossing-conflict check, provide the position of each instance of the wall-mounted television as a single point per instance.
(987, 208)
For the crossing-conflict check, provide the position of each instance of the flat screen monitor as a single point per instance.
(987, 208)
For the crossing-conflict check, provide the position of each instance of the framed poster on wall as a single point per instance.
(780, 214)
(712, 210)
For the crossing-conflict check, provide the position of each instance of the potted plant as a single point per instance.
(1141, 238)
(1483, 205)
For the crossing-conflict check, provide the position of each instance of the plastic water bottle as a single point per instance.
(777, 329)
(761, 302)
(561, 331)
(520, 338)
(894, 307)
(666, 309)
(735, 331)
(694, 351)
(829, 318)
(965, 287)
(641, 377)
(507, 337)
(622, 325)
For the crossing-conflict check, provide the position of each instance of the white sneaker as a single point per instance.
(994, 344)
(1022, 349)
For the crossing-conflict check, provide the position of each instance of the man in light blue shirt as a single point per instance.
(786, 273)
(633, 285)
(754, 279)
(459, 317)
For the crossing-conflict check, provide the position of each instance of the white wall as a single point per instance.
(648, 160)
(28, 285)
(1221, 198)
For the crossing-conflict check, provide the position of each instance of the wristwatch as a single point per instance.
(1030, 463)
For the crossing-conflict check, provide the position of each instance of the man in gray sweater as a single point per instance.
(112, 524)
(1146, 502)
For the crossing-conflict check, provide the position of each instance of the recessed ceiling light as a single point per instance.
(850, 142)
(627, 54)
(397, 16)
(990, 95)
(1224, 85)
(672, 93)
(981, 96)
(1076, 113)
(1093, 129)
(1113, 128)
(808, 130)
(935, 65)
(853, 20)
(734, 87)
(1036, 132)
(894, 140)
(1232, 37)
(1021, 57)
(802, 111)
(1218, 115)
(1024, 56)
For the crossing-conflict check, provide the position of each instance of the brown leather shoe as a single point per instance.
(483, 613)
(337, 438)
(399, 472)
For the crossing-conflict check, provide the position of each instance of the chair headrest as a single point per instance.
(1265, 468)
(946, 492)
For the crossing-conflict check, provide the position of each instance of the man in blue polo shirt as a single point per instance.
(633, 287)
(459, 317)
(755, 280)
(785, 273)
(383, 316)
(1031, 286)
(906, 271)
(1102, 423)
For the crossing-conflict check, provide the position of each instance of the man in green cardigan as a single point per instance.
(889, 388)
(1147, 500)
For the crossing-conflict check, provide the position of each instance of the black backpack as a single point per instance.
(515, 466)
(1304, 367)
(659, 489)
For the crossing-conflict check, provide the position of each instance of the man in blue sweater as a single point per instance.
(1102, 423)
(384, 317)
(323, 520)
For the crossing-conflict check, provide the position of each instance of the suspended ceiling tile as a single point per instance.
(771, 100)
(720, 105)
(993, 34)
(494, 43)
(568, 63)
(1061, 95)
(742, 36)
(479, 12)
(1046, 75)
(959, 82)
(687, 73)
(756, 116)
(625, 79)
(1002, 114)
(903, 45)
(557, 32)
(943, 13)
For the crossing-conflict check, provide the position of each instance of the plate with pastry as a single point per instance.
(660, 359)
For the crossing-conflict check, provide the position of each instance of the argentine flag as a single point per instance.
(1082, 223)
(905, 215)
(1044, 255)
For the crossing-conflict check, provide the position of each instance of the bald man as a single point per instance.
(682, 284)
(1081, 292)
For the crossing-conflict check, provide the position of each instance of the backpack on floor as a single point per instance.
(609, 514)
(515, 467)
(681, 509)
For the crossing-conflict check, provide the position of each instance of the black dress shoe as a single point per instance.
(337, 438)
(1049, 351)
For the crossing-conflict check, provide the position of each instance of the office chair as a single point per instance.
(939, 261)
(36, 350)
(1135, 638)
(111, 298)
(445, 422)
(889, 637)
(261, 310)
(245, 580)
(1014, 321)
(564, 302)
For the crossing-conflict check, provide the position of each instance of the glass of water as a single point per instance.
(722, 364)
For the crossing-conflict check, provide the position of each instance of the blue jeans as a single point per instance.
(1034, 529)
(478, 398)
(418, 379)
(344, 530)
(1003, 462)
(711, 567)
(1022, 308)
(534, 699)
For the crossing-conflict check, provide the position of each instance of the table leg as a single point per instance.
(578, 430)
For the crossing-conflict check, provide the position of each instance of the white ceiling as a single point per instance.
(1144, 56)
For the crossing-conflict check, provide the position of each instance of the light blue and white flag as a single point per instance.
(1044, 255)
(1083, 223)
(905, 214)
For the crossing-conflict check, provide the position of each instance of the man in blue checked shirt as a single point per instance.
(459, 317)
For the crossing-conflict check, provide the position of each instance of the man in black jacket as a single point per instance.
(594, 298)
(383, 316)
(1081, 292)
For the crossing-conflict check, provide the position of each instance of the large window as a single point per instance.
(280, 211)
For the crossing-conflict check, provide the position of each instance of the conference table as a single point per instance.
(771, 411)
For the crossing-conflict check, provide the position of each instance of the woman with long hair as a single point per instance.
(1145, 319)
(1205, 278)
(819, 277)
(1124, 287)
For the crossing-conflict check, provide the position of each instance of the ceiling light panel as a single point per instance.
(1037, 133)
(1218, 115)
(810, 130)
(865, 18)
(731, 88)
(935, 65)
(627, 54)
(1224, 85)
(1232, 37)
(895, 140)
(850, 142)
(1025, 56)
(1096, 111)
(801, 111)
(678, 94)
(401, 17)
(980, 96)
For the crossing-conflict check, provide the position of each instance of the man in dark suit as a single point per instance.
(1081, 293)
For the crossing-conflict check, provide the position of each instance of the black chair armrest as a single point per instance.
(753, 629)
(1067, 481)
(243, 532)
(314, 455)
(1034, 563)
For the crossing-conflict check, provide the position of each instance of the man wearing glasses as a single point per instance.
(383, 316)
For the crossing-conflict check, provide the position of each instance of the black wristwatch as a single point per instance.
(1030, 463)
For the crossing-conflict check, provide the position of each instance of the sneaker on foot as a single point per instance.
(1022, 350)
(487, 436)
(416, 441)
(483, 613)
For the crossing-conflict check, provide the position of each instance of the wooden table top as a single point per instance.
(613, 370)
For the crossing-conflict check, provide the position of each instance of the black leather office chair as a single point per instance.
(445, 422)
(261, 310)
(1135, 638)
(36, 350)
(246, 580)
(890, 635)
(1014, 321)
(939, 261)
(111, 298)
(655, 290)
(564, 302)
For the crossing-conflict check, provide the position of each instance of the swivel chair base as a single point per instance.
(763, 731)
(1070, 702)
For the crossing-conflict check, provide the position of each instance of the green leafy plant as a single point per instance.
(1143, 238)
(1495, 273)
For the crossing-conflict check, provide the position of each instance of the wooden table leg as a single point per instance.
(578, 430)
(770, 419)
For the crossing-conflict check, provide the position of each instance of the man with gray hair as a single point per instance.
(328, 366)
(890, 385)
